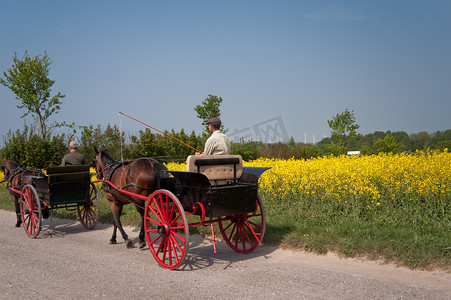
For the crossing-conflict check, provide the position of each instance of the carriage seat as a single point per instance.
(219, 169)
(68, 173)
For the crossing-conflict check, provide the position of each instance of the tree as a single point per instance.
(209, 109)
(343, 130)
(420, 140)
(28, 80)
(388, 145)
(31, 151)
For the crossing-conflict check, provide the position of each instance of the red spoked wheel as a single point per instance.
(89, 212)
(30, 211)
(245, 231)
(166, 229)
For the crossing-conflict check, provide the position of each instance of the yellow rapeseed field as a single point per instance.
(375, 177)
(404, 187)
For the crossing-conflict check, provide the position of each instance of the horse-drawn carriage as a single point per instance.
(217, 189)
(35, 193)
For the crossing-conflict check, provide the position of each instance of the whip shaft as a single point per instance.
(159, 131)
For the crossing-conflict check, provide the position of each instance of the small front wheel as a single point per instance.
(245, 231)
(166, 229)
(30, 211)
(89, 212)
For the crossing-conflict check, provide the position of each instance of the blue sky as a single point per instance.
(302, 61)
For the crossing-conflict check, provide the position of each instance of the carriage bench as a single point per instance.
(219, 169)
(69, 184)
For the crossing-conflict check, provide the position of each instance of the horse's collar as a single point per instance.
(14, 173)
(111, 168)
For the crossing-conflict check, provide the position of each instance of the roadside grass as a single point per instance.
(426, 247)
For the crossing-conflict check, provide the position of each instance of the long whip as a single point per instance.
(159, 131)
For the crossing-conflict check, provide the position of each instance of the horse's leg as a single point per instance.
(113, 237)
(114, 212)
(118, 225)
(142, 242)
(17, 207)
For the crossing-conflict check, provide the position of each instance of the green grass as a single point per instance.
(425, 247)
(416, 247)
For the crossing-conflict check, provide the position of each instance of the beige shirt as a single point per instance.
(217, 143)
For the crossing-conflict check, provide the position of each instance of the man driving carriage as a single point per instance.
(73, 158)
(218, 142)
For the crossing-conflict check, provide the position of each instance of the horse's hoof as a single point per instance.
(128, 243)
(113, 242)
(17, 225)
(142, 245)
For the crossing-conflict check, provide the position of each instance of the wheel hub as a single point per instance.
(164, 229)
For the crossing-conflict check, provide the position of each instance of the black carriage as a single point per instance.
(219, 191)
(66, 187)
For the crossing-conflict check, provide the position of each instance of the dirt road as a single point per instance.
(68, 262)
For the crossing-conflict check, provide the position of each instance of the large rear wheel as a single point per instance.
(30, 210)
(166, 229)
(89, 212)
(245, 231)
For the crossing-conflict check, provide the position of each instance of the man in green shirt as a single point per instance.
(73, 158)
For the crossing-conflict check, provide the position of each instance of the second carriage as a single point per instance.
(67, 187)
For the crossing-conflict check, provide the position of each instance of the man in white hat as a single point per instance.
(73, 158)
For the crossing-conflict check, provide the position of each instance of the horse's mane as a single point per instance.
(106, 159)
(14, 164)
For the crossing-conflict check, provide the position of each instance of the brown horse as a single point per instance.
(17, 177)
(139, 176)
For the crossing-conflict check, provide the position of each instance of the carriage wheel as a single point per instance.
(166, 229)
(89, 212)
(30, 210)
(238, 231)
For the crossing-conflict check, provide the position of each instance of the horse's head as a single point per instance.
(101, 162)
(9, 167)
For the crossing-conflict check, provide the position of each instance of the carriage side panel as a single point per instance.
(233, 200)
(191, 188)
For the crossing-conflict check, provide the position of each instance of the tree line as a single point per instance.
(27, 147)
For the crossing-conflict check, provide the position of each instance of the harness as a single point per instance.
(111, 168)
(19, 171)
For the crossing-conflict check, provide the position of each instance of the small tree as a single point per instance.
(28, 80)
(31, 151)
(388, 145)
(109, 138)
(343, 129)
(209, 109)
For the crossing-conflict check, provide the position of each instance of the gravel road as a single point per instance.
(68, 262)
